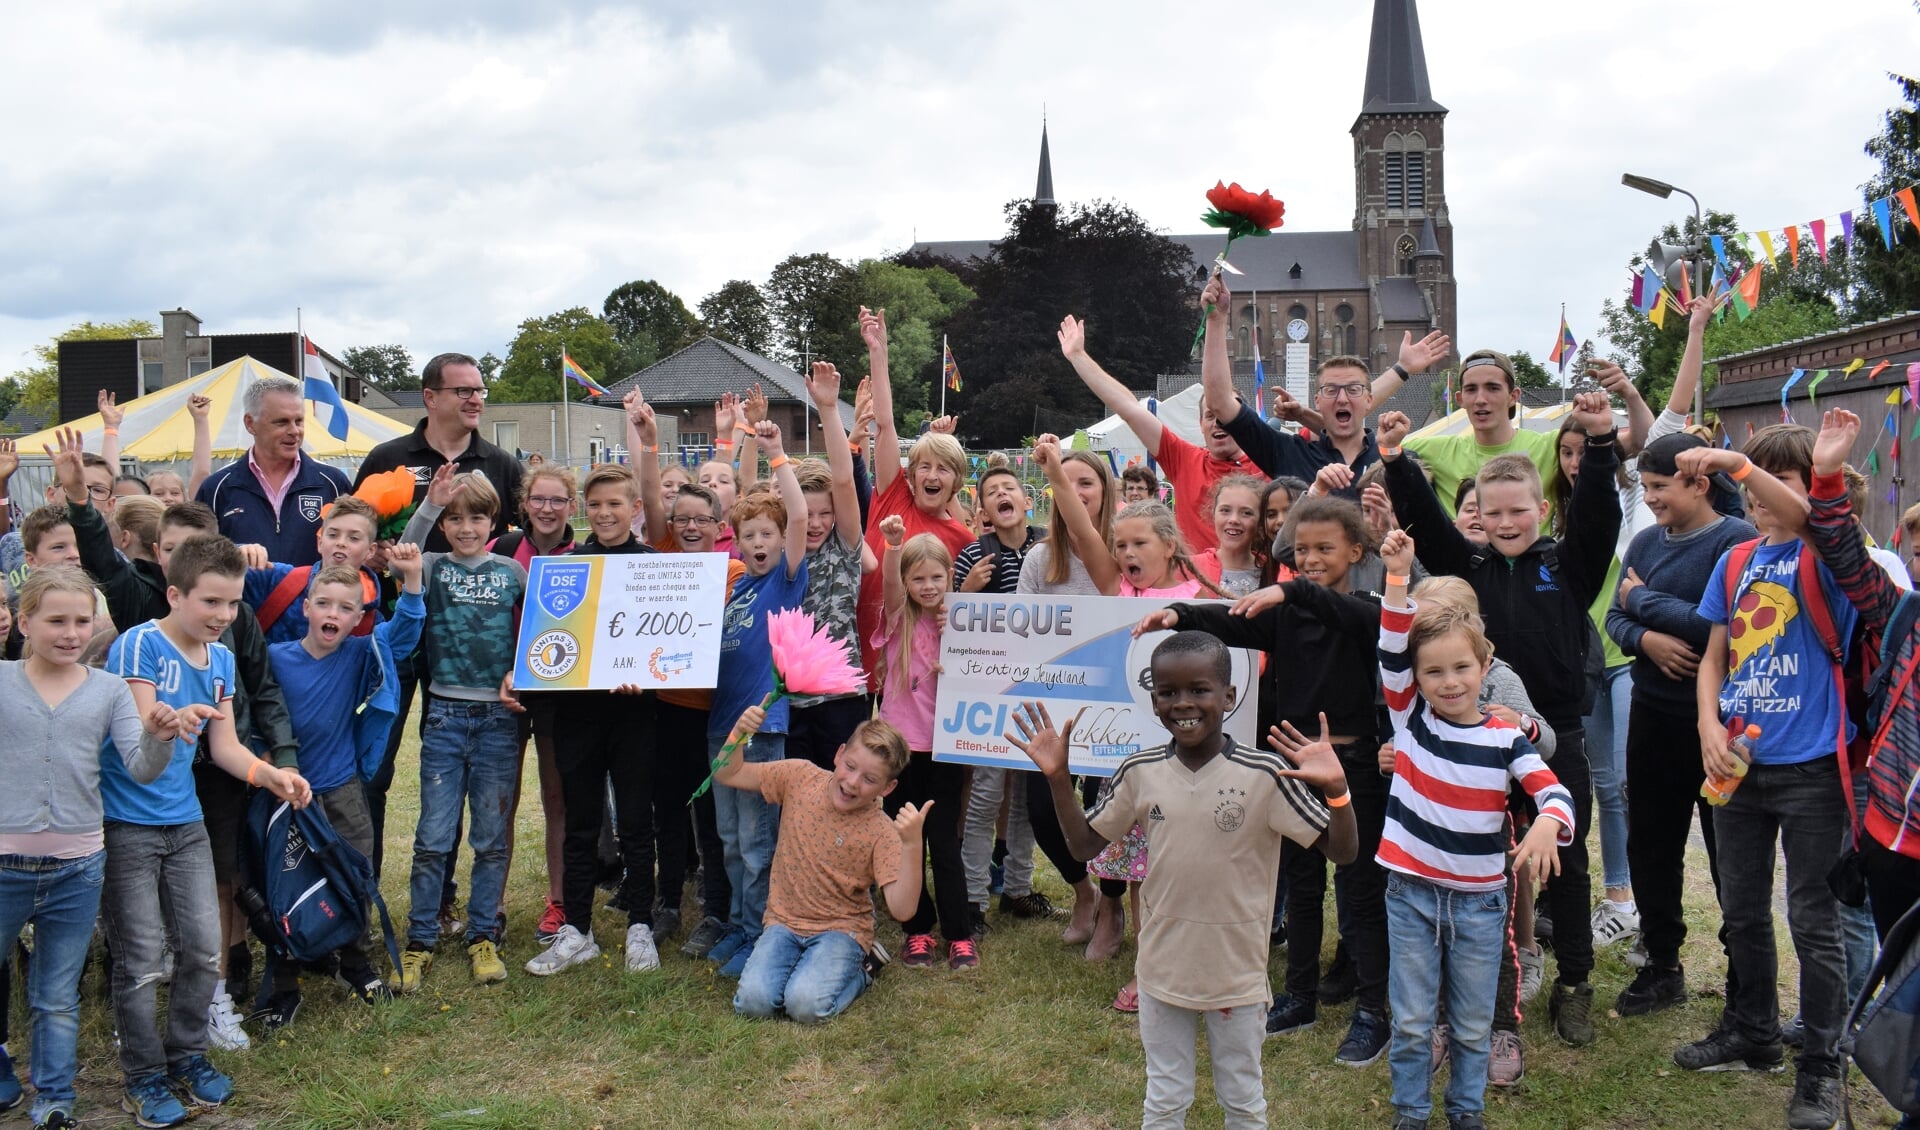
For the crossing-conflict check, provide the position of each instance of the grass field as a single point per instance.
(1025, 1040)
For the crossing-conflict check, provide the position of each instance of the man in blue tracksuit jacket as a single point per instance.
(274, 495)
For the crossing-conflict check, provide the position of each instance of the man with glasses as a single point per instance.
(455, 395)
(273, 495)
(1344, 395)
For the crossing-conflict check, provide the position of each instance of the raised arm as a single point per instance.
(788, 484)
(442, 489)
(886, 440)
(1088, 542)
(857, 447)
(643, 447)
(824, 387)
(1047, 748)
(1786, 507)
(1444, 550)
(1593, 513)
(892, 587)
(1414, 357)
(1119, 399)
(111, 415)
(753, 409)
(1687, 377)
(200, 408)
(1639, 417)
(9, 463)
(1835, 535)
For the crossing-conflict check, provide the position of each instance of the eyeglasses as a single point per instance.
(100, 492)
(698, 521)
(539, 502)
(1354, 391)
(464, 392)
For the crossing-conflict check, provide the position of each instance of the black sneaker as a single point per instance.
(1366, 1040)
(1030, 905)
(1571, 1010)
(358, 978)
(1542, 926)
(666, 923)
(877, 959)
(1653, 989)
(56, 1119)
(1816, 1102)
(1339, 983)
(704, 937)
(280, 1010)
(1472, 1120)
(1794, 1032)
(1277, 937)
(977, 920)
(1409, 1122)
(1726, 1050)
(1291, 1014)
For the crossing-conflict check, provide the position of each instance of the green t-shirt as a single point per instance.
(1455, 459)
(1598, 613)
(472, 613)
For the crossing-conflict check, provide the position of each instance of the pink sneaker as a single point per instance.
(962, 954)
(1506, 1066)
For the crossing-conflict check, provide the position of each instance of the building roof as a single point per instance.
(1416, 398)
(1402, 300)
(406, 397)
(1328, 260)
(1429, 242)
(702, 371)
(1397, 63)
(1043, 187)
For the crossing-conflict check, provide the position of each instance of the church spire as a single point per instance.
(1043, 187)
(1397, 63)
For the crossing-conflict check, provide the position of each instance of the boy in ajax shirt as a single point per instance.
(1215, 815)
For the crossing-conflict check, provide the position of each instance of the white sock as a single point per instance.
(220, 988)
(1626, 907)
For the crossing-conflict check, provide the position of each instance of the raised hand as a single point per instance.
(199, 407)
(863, 413)
(873, 331)
(824, 386)
(751, 719)
(1378, 509)
(1396, 552)
(1419, 356)
(725, 411)
(909, 820)
(1045, 746)
(756, 405)
(768, 433)
(1391, 432)
(944, 425)
(110, 413)
(1286, 407)
(646, 428)
(1314, 762)
(1046, 452)
(1696, 461)
(403, 560)
(893, 530)
(1332, 477)
(1258, 601)
(1073, 337)
(1838, 429)
(1214, 298)
(1592, 412)
(1159, 620)
(1611, 377)
(445, 486)
(1699, 314)
(9, 460)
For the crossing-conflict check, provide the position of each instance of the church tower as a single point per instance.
(1405, 239)
(1043, 186)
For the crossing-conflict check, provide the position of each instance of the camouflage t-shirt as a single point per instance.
(833, 597)
(469, 636)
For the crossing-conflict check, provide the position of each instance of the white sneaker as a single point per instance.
(1533, 972)
(223, 1025)
(642, 955)
(1612, 924)
(1637, 956)
(570, 947)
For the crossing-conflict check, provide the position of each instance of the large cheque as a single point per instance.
(596, 621)
(1071, 653)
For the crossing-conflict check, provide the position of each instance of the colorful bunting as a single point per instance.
(1819, 230)
(1878, 369)
(1813, 388)
(1913, 382)
(1793, 244)
(1792, 379)
(1853, 367)
(1873, 462)
(1747, 295)
(1894, 396)
(1905, 197)
(1720, 252)
(1846, 229)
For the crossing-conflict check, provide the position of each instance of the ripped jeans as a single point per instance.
(159, 886)
(469, 753)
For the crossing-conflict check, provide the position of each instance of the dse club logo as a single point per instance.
(563, 587)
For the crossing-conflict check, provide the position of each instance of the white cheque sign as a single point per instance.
(596, 621)
(1071, 653)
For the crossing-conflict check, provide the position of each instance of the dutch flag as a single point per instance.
(321, 391)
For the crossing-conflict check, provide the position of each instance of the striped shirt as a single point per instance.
(1447, 806)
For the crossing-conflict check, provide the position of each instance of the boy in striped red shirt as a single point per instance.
(1444, 844)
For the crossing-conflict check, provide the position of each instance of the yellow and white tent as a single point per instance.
(158, 431)
(1545, 418)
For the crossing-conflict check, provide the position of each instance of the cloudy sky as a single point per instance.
(433, 171)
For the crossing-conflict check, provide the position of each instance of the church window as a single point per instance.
(1396, 180)
(1345, 335)
(1416, 179)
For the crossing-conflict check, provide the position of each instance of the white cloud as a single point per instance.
(436, 172)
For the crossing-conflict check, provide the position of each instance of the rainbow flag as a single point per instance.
(949, 368)
(571, 369)
(1565, 347)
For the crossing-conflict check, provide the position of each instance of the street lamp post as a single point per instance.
(1664, 190)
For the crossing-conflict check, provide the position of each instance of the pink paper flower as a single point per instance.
(807, 659)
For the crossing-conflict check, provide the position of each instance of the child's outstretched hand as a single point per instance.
(1396, 551)
(193, 718)
(1215, 297)
(285, 784)
(943, 426)
(873, 330)
(824, 385)
(894, 530)
(1390, 432)
(160, 720)
(756, 406)
(1699, 314)
(199, 407)
(1838, 429)
(1378, 509)
(445, 486)
(1044, 745)
(1592, 412)
(255, 555)
(768, 433)
(1332, 477)
(1538, 855)
(1256, 602)
(1697, 461)
(403, 559)
(1159, 620)
(909, 820)
(1314, 762)
(1073, 337)
(111, 414)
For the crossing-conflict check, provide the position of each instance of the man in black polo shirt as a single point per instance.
(1344, 394)
(455, 395)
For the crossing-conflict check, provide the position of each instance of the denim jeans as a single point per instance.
(1438, 932)
(1606, 731)
(61, 898)
(1802, 808)
(159, 886)
(812, 978)
(749, 829)
(469, 754)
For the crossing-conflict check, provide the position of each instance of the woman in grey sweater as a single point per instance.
(52, 847)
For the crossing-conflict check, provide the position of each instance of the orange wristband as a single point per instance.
(1395, 579)
(778, 461)
(1341, 801)
(650, 448)
(723, 443)
(110, 431)
(254, 768)
(1740, 475)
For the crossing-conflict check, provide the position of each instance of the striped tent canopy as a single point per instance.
(158, 430)
(1542, 419)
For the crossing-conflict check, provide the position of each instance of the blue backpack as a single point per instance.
(315, 886)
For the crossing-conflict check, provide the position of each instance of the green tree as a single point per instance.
(1529, 373)
(1101, 261)
(737, 313)
(1890, 277)
(489, 365)
(919, 302)
(388, 367)
(649, 321)
(9, 396)
(39, 384)
(816, 312)
(532, 368)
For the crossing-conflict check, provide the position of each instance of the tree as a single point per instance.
(388, 367)
(919, 302)
(737, 313)
(816, 313)
(1101, 261)
(1528, 373)
(649, 321)
(39, 384)
(1890, 277)
(532, 368)
(489, 365)
(9, 396)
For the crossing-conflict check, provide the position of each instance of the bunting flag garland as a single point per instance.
(1793, 379)
(1747, 295)
(1905, 197)
(1878, 369)
(1766, 245)
(1873, 462)
(1658, 315)
(1883, 216)
(1720, 251)
(1819, 230)
(1813, 388)
(1793, 244)
(1846, 229)
(1853, 367)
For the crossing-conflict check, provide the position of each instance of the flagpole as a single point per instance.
(300, 355)
(1563, 353)
(943, 374)
(566, 413)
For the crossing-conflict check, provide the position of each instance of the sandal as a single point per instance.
(1127, 1000)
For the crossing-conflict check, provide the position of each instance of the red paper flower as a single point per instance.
(1242, 212)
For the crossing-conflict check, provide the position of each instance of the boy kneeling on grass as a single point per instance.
(1214, 815)
(835, 845)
